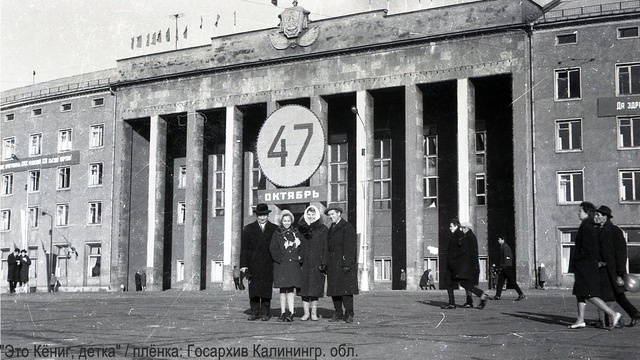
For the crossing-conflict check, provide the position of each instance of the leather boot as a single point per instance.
(305, 306)
(314, 310)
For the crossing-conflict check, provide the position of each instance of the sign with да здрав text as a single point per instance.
(291, 145)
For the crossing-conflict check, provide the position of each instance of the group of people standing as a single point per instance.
(296, 260)
(18, 264)
(598, 263)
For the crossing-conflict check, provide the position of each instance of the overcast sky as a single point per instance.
(59, 38)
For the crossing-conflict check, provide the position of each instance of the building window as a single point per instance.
(628, 32)
(569, 135)
(35, 144)
(567, 84)
(629, 185)
(97, 136)
(95, 174)
(34, 181)
(182, 213)
(632, 234)
(216, 271)
(8, 148)
(628, 132)
(218, 185)
(97, 102)
(430, 186)
(33, 255)
(180, 271)
(568, 241)
(62, 214)
(9, 117)
(94, 216)
(481, 138)
(258, 180)
(65, 107)
(64, 140)
(481, 189)
(6, 220)
(36, 112)
(565, 39)
(62, 261)
(94, 257)
(382, 175)
(570, 187)
(64, 178)
(628, 79)
(34, 216)
(338, 174)
(7, 184)
(382, 268)
(182, 177)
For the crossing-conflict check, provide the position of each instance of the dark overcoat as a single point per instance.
(342, 246)
(584, 261)
(25, 263)
(462, 258)
(13, 270)
(314, 243)
(287, 271)
(613, 249)
(256, 257)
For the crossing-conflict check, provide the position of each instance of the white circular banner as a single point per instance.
(291, 145)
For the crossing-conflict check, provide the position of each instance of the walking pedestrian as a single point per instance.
(584, 265)
(286, 251)
(542, 276)
(506, 270)
(314, 265)
(257, 264)
(13, 270)
(342, 265)
(463, 265)
(614, 249)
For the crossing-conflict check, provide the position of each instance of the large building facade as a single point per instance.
(505, 114)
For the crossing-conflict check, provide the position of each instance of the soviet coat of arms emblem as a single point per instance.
(293, 29)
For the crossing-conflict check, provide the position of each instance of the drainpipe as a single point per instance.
(529, 32)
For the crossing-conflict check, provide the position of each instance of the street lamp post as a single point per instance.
(50, 267)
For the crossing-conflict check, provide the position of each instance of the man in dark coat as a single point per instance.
(342, 264)
(25, 264)
(257, 264)
(613, 247)
(463, 264)
(506, 270)
(13, 274)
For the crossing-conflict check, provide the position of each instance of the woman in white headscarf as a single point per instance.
(314, 265)
(286, 251)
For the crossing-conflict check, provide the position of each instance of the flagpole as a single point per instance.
(177, 16)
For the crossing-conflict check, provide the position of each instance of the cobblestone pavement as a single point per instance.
(388, 325)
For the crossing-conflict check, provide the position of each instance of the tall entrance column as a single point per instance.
(466, 150)
(414, 172)
(194, 203)
(157, 179)
(364, 176)
(232, 193)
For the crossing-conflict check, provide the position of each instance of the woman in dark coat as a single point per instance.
(286, 251)
(25, 263)
(13, 270)
(584, 265)
(342, 264)
(314, 265)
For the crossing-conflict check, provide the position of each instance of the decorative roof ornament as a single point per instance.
(293, 29)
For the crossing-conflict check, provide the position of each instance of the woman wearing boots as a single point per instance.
(314, 265)
(287, 256)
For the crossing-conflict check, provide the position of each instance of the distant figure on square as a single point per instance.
(342, 265)
(236, 277)
(506, 270)
(542, 276)
(463, 265)
(257, 264)
(25, 264)
(13, 270)
(287, 254)
(314, 265)
(138, 279)
(54, 285)
(426, 280)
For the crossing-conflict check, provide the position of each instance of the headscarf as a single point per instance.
(311, 219)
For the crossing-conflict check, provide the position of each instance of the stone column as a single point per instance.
(233, 164)
(364, 196)
(194, 209)
(414, 175)
(320, 107)
(156, 202)
(466, 150)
